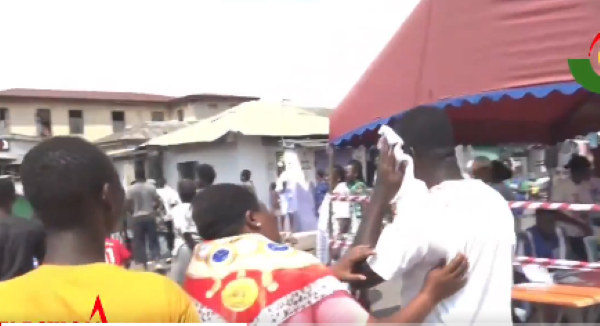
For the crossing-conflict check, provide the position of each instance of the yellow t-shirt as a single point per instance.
(68, 294)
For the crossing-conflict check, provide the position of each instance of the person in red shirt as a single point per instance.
(116, 253)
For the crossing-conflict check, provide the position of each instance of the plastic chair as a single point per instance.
(591, 248)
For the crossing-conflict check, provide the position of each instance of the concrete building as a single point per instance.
(245, 137)
(93, 115)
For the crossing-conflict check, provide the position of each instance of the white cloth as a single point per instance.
(183, 223)
(465, 216)
(409, 183)
(170, 198)
(564, 190)
(396, 142)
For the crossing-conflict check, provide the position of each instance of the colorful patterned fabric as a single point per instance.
(250, 279)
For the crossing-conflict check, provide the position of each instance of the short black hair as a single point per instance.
(578, 163)
(273, 186)
(427, 130)
(63, 179)
(500, 172)
(8, 193)
(246, 173)
(321, 174)
(358, 168)
(206, 173)
(339, 173)
(220, 210)
(187, 190)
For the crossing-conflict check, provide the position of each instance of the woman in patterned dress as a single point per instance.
(242, 274)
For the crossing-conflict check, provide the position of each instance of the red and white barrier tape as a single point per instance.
(557, 263)
(523, 261)
(512, 204)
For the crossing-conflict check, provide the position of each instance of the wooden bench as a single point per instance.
(580, 303)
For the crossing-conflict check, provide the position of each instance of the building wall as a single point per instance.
(18, 147)
(97, 118)
(229, 159)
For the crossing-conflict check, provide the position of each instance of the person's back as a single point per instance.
(143, 196)
(21, 241)
(68, 294)
(74, 283)
(475, 220)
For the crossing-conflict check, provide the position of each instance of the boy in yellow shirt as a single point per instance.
(75, 191)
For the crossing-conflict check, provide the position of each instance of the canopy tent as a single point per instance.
(498, 66)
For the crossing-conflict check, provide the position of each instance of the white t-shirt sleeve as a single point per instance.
(398, 249)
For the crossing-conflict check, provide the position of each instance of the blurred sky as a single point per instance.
(309, 51)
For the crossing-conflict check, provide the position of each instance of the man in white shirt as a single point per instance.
(186, 233)
(287, 201)
(579, 188)
(454, 216)
(170, 199)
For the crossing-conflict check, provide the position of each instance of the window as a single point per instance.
(213, 106)
(4, 121)
(118, 121)
(75, 122)
(186, 170)
(158, 116)
(180, 115)
(43, 123)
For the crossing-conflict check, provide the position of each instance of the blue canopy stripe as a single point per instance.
(540, 91)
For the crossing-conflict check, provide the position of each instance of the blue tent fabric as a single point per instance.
(540, 91)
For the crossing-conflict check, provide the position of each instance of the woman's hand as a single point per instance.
(390, 172)
(342, 269)
(446, 279)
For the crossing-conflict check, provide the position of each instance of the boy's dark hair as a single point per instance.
(206, 173)
(321, 174)
(7, 191)
(578, 163)
(358, 167)
(273, 186)
(187, 190)
(339, 172)
(246, 174)
(500, 172)
(428, 131)
(63, 178)
(220, 210)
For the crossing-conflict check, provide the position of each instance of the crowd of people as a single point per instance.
(73, 279)
(451, 241)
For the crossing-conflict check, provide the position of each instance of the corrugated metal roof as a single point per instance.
(145, 131)
(255, 118)
(324, 112)
(83, 95)
(50, 94)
